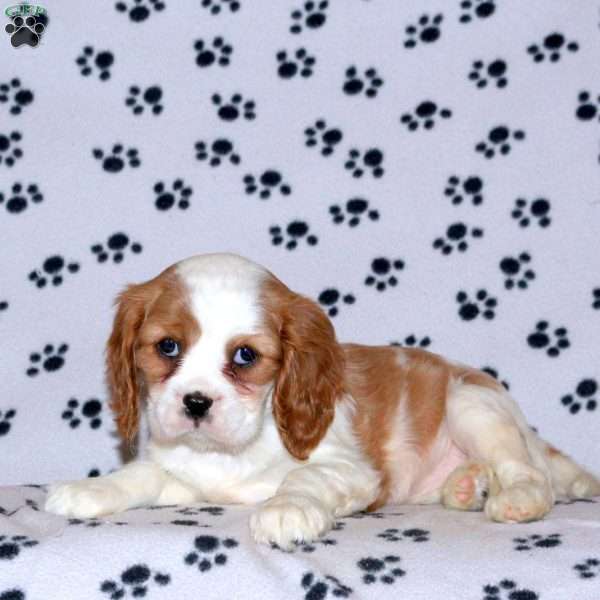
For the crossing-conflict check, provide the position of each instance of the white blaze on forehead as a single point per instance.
(225, 299)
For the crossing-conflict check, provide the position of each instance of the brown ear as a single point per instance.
(121, 370)
(311, 376)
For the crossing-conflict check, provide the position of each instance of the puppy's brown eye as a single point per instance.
(168, 347)
(244, 356)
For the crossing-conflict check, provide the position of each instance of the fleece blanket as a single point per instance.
(426, 170)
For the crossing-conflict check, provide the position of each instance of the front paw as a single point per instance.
(287, 518)
(85, 499)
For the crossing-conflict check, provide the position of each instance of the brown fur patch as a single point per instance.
(310, 378)
(380, 378)
(472, 376)
(248, 379)
(375, 382)
(146, 313)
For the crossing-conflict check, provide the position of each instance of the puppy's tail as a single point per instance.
(568, 478)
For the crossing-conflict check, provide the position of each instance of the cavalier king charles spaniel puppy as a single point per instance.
(251, 399)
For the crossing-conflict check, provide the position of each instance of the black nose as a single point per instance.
(196, 405)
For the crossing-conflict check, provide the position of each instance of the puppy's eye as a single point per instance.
(168, 347)
(244, 356)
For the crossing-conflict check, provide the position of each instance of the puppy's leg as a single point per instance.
(309, 499)
(137, 484)
(489, 427)
(469, 486)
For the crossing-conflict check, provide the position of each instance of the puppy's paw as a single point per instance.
(286, 518)
(519, 504)
(469, 486)
(85, 499)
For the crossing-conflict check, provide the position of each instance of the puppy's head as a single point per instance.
(213, 342)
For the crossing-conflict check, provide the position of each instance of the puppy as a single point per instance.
(250, 399)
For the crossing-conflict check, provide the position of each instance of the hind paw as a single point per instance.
(469, 486)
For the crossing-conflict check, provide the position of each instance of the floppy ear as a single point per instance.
(310, 379)
(121, 371)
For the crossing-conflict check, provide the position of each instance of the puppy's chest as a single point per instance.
(222, 478)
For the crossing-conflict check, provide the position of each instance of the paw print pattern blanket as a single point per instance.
(427, 171)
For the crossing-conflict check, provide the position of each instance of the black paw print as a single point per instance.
(11, 546)
(531, 542)
(50, 359)
(21, 197)
(150, 98)
(317, 589)
(178, 194)
(412, 341)
(495, 71)
(5, 420)
(371, 159)
(469, 188)
(139, 10)
(537, 210)
(515, 271)
(383, 273)
(483, 305)
(213, 511)
(596, 298)
(218, 51)
(89, 60)
(496, 376)
(588, 109)
(584, 395)
(90, 409)
(236, 106)
(295, 231)
(115, 161)
(424, 116)
(540, 338)
(319, 133)
(24, 30)
(354, 84)
(507, 590)
(135, 579)
(300, 62)
(330, 298)
(426, 30)
(116, 244)
(209, 552)
(92, 522)
(355, 209)
(9, 151)
(306, 547)
(221, 150)
(3, 305)
(498, 140)
(395, 535)
(588, 569)
(312, 15)
(480, 9)
(17, 97)
(372, 515)
(385, 569)
(456, 238)
(551, 47)
(52, 270)
(268, 182)
(215, 6)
